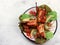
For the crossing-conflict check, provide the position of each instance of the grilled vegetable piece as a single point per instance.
(41, 30)
(33, 32)
(24, 17)
(48, 26)
(51, 16)
(48, 9)
(32, 22)
(41, 15)
(49, 35)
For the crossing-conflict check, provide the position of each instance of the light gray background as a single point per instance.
(10, 10)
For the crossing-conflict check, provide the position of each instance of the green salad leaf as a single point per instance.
(38, 40)
(24, 17)
(49, 35)
(51, 16)
(48, 9)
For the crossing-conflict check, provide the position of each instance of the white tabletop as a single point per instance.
(10, 10)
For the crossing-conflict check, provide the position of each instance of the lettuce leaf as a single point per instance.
(24, 17)
(49, 35)
(51, 16)
(48, 9)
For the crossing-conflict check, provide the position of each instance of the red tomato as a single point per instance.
(27, 30)
(28, 34)
(32, 12)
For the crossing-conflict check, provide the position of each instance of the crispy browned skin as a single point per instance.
(41, 15)
(41, 30)
(32, 22)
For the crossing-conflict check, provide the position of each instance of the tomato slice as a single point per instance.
(26, 29)
(28, 34)
(32, 12)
